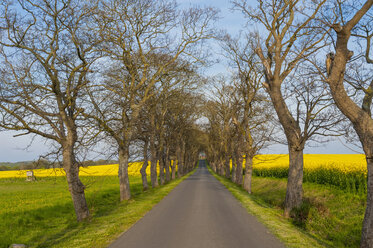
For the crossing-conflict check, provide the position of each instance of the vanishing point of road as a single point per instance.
(199, 213)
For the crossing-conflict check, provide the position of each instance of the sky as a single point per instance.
(18, 149)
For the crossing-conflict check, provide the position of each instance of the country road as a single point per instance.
(199, 212)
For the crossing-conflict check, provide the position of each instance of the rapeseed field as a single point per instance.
(98, 170)
(345, 171)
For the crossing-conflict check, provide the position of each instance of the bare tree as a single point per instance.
(143, 39)
(252, 116)
(47, 49)
(292, 35)
(356, 23)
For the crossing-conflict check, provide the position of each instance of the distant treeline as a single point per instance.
(45, 164)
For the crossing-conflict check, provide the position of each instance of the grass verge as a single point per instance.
(329, 217)
(40, 214)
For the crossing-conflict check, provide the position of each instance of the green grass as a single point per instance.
(329, 217)
(40, 214)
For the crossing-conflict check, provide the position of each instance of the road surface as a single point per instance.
(199, 213)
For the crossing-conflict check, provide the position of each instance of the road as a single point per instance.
(199, 213)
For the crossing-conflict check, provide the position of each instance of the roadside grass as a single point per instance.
(41, 214)
(329, 217)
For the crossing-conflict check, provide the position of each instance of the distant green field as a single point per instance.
(40, 214)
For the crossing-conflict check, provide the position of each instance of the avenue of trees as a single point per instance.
(301, 61)
(128, 74)
(80, 72)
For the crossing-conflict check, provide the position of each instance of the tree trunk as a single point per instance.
(124, 184)
(153, 162)
(76, 187)
(367, 232)
(227, 166)
(294, 190)
(144, 178)
(239, 161)
(213, 166)
(167, 165)
(360, 117)
(221, 166)
(173, 170)
(248, 173)
(293, 135)
(143, 168)
(180, 166)
(233, 175)
(167, 168)
(161, 167)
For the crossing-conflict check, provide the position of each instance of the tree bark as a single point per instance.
(153, 162)
(359, 116)
(180, 166)
(239, 161)
(124, 185)
(76, 187)
(174, 164)
(143, 168)
(367, 232)
(161, 167)
(167, 165)
(167, 168)
(294, 189)
(233, 175)
(227, 166)
(248, 173)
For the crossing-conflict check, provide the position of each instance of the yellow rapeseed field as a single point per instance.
(345, 163)
(345, 171)
(99, 170)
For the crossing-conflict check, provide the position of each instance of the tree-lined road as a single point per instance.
(200, 212)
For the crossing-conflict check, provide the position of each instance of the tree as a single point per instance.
(143, 40)
(47, 49)
(219, 110)
(252, 116)
(292, 35)
(344, 26)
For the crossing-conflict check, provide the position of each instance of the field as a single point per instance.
(98, 170)
(41, 214)
(344, 171)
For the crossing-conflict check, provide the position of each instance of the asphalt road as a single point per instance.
(199, 212)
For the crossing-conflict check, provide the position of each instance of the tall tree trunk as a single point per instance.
(76, 187)
(248, 173)
(293, 133)
(153, 162)
(167, 164)
(124, 184)
(239, 161)
(213, 166)
(143, 168)
(221, 166)
(233, 175)
(162, 159)
(153, 171)
(174, 164)
(227, 166)
(367, 232)
(294, 190)
(180, 166)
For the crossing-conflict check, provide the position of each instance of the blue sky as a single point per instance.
(14, 149)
